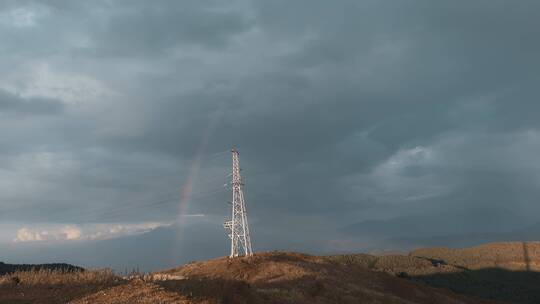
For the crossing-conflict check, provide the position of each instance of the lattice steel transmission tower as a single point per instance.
(238, 227)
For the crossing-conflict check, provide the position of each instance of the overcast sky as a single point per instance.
(359, 123)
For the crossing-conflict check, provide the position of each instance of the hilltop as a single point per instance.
(492, 273)
(277, 277)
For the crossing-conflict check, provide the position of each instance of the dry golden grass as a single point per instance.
(509, 255)
(60, 277)
(135, 291)
(398, 265)
(53, 286)
(280, 277)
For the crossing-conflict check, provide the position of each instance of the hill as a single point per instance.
(492, 273)
(511, 256)
(503, 271)
(11, 268)
(276, 278)
(506, 272)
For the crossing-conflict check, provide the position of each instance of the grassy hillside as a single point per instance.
(265, 278)
(492, 273)
(503, 271)
(511, 256)
(53, 286)
(498, 271)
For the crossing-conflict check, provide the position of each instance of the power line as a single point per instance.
(165, 199)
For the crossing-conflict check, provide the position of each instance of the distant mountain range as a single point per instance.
(458, 228)
(528, 233)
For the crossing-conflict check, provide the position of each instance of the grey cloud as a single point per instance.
(123, 28)
(317, 95)
(10, 103)
(150, 28)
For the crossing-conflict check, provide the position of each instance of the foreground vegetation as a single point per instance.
(35, 278)
(278, 277)
(508, 272)
(53, 286)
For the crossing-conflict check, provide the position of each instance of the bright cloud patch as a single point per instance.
(18, 17)
(34, 235)
(405, 176)
(42, 80)
(454, 162)
(82, 232)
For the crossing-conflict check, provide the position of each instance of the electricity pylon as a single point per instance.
(238, 227)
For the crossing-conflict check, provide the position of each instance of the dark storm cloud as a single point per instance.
(378, 117)
(121, 28)
(143, 27)
(14, 104)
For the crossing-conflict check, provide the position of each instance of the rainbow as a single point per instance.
(187, 187)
